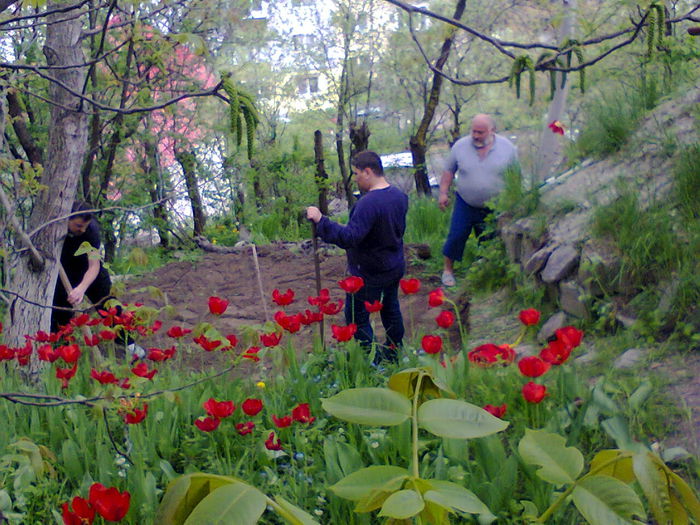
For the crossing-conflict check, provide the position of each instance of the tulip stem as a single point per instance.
(414, 422)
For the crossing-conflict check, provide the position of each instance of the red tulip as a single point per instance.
(245, 428)
(432, 344)
(373, 307)
(108, 335)
(217, 305)
(290, 323)
(490, 354)
(556, 127)
(80, 320)
(92, 340)
(270, 340)
(331, 308)
(109, 503)
(496, 411)
(570, 336)
(302, 414)
(272, 442)
(22, 354)
(136, 416)
(436, 298)
(7, 353)
(529, 317)
(533, 392)
(177, 331)
(219, 409)
(445, 319)
(309, 317)
(158, 355)
(321, 299)
(45, 353)
(252, 407)
(142, 370)
(282, 422)
(533, 366)
(252, 353)
(232, 340)
(343, 333)
(207, 424)
(69, 353)
(66, 374)
(555, 353)
(409, 286)
(207, 344)
(352, 284)
(82, 514)
(105, 377)
(283, 299)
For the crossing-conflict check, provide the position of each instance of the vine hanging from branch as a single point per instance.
(241, 110)
(656, 20)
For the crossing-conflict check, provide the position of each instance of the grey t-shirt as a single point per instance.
(479, 180)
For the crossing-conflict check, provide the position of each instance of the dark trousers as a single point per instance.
(392, 320)
(465, 218)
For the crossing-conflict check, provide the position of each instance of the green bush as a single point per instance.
(687, 181)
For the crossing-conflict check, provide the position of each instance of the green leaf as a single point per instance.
(640, 395)
(236, 502)
(404, 382)
(358, 485)
(560, 464)
(369, 406)
(455, 497)
(452, 418)
(607, 501)
(402, 505)
(687, 497)
(184, 493)
(300, 517)
(654, 485)
(621, 469)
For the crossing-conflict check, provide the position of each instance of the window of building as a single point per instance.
(307, 85)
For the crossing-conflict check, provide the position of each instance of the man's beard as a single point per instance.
(479, 144)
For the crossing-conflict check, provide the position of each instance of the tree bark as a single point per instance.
(19, 124)
(35, 280)
(152, 170)
(187, 161)
(321, 173)
(418, 142)
(359, 137)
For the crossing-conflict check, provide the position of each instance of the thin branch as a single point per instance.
(44, 14)
(37, 258)
(111, 438)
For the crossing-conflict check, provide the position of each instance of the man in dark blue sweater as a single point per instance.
(373, 239)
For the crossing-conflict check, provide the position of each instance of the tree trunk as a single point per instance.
(418, 142)
(321, 173)
(550, 147)
(35, 280)
(359, 137)
(345, 176)
(187, 161)
(156, 192)
(19, 124)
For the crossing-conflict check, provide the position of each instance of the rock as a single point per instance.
(337, 206)
(599, 268)
(554, 323)
(537, 260)
(588, 357)
(669, 290)
(631, 358)
(526, 349)
(560, 264)
(570, 294)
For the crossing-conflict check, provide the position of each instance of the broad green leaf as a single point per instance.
(455, 497)
(654, 485)
(359, 484)
(603, 500)
(369, 406)
(618, 429)
(184, 494)
(640, 395)
(349, 459)
(679, 516)
(620, 469)
(402, 505)
(375, 499)
(686, 496)
(237, 503)
(299, 517)
(452, 418)
(560, 464)
(435, 514)
(404, 382)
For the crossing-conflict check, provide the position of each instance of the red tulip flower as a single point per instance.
(570, 336)
(177, 331)
(436, 298)
(105, 377)
(352, 284)
(108, 335)
(158, 355)
(309, 317)
(69, 353)
(252, 353)
(7, 354)
(207, 344)
(290, 323)
(217, 305)
(245, 428)
(556, 127)
(533, 392)
(109, 503)
(533, 366)
(252, 407)
(282, 422)
(331, 308)
(270, 340)
(498, 412)
(272, 442)
(66, 374)
(321, 299)
(218, 409)
(445, 319)
(529, 317)
(46, 353)
(93, 340)
(22, 354)
(142, 370)
(373, 307)
(555, 353)
(283, 299)
(302, 414)
(431, 344)
(343, 333)
(207, 424)
(489, 354)
(409, 286)
(82, 514)
(136, 416)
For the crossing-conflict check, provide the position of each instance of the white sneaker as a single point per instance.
(448, 279)
(136, 351)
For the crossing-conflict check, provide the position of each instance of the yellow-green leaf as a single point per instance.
(369, 406)
(452, 418)
(603, 500)
(402, 505)
(237, 503)
(560, 464)
(361, 483)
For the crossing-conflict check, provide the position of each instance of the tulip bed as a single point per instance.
(447, 435)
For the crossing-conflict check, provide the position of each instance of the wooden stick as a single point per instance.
(317, 268)
(260, 284)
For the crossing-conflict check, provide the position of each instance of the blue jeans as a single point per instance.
(392, 320)
(465, 218)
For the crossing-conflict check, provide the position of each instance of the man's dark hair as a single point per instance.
(82, 206)
(368, 159)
